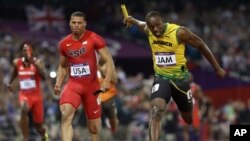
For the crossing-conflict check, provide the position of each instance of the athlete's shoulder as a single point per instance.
(37, 60)
(172, 26)
(92, 34)
(97, 38)
(89, 32)
(65, 40)
(16, 60)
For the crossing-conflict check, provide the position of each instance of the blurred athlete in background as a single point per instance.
(30, 70)
(108, 98)
(192, 132)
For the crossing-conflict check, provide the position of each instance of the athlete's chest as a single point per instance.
(26, 72)
(79, 48)
(27, 77)
(166, 43)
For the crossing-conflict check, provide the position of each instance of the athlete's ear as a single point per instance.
(69, 22)
(85, 24)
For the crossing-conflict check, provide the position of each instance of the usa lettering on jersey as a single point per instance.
(76, 53)
(79, 70)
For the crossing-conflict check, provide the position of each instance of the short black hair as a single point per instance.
(79, 14)
(152, 14)
(27, 43)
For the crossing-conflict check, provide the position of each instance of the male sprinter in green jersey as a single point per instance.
(167, 42)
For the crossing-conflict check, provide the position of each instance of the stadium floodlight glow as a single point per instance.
(52, 74)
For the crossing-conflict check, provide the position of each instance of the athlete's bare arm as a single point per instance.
(107, 59)
(103, 69)
(41, 68)
(13, 75)
(133, 21)
(43, 73)
(186, 36)
(61, 73)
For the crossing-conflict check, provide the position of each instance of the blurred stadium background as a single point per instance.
(222, 24)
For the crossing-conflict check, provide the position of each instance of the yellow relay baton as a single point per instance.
(124, 11)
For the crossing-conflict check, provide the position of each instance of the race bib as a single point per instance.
(79, 70)
(27, 84)
(165, 59)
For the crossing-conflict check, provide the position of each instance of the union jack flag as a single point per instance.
(45, 19)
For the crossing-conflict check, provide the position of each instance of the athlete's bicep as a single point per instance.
(146, 30)
(14, 72)
(188, 37)
(106, 57)
(63, 61)
(104, 53)
(41, 68)
(15, 67)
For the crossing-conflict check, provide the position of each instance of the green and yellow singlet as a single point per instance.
(168, 54)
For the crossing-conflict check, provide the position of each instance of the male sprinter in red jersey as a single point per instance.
(77, 56)
(109, 109)
(30, 70)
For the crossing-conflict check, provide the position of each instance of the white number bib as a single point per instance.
(79, 70)
(165, 59)
(27, 84)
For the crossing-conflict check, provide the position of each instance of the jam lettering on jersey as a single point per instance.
(165, 58)
(76, 53)
(79, 70)
(158, 42)
(27, 84)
